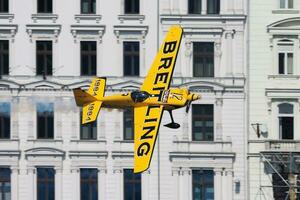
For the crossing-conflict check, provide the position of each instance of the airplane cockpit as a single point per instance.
(139, 96)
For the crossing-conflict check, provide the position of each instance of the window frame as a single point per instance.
(4, 70)
(91, 56)
(132, 55)
(5, 181)
(191, 6)
(40, 70)
(92, 9)
(90, 183)
(90, 128)
(132, 12)
(46, 9)
(285, 115)
(2, 134)
(136, 179)
(47, 181)
(218, 7)
(47, 135)
(124, 124)
(280, 45)
(193, 121)
(286, 4)
(202, 182)
(206, 56)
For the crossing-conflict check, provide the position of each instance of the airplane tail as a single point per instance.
(90, 100)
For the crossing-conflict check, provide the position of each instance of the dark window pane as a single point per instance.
(44, 58)
(4, 57)
(213, 6)
(5, 183)
(203, 184)
(203, 59)
(88, 6)
(3, 6)
(280, 190)
(128, 124)
(194, 6)
(132, 6)
(45, 183)
(132, 185)
(45, 121)
(286, 127)
(290, 4)
(88, 55)
(4, 120)
(203, 122)
(88, 184)
(131, 58)
(281, 63)
(44, 6)
(88, 131)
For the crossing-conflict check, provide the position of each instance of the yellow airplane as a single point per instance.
(148, 103)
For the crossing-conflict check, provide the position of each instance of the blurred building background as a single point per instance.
(274, 69)
(49, 47)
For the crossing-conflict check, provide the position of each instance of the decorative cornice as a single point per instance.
(44, 151)
(86, 31)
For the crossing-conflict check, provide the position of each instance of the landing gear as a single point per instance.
(173, 124)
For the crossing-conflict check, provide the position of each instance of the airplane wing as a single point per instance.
(146, 124)
(161, 72)
(90, 112)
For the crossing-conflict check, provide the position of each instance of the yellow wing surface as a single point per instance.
(146, 125)
(147, 118)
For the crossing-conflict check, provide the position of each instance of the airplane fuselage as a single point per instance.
(171, 99)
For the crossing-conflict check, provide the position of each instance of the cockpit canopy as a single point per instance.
(139, 96)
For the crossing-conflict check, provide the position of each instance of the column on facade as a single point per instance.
(218, 184)
(58, 183)
(296, 58)
(218, 54)
(188, 57)
(227, 183)
(14, 182)
(175, 181)
(223, 7)
(229, 40)
(31, 180)
(218, 118)
(146, 185)
(203, 7)
(15, 118)
(118, 172)
(185, 184)
(102, 183)
(117, 126)
(76, 181)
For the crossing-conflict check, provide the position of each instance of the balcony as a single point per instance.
(282, 145)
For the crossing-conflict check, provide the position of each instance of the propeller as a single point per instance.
(187, 108)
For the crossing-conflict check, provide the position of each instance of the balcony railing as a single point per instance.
(283, 145)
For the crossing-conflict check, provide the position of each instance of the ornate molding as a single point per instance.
(8, 31)
(41, 31)
(83, 31)
(124, 32)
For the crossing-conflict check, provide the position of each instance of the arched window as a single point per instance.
(286, 121)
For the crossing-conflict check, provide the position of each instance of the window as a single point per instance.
(45, 121)
(88, 54)
(131, 59)
(44, 58)
(88, 184)
(280, 189)
(203, 122)
(88, 6)
(203, 59)
(132, 7)
(285, 57)
(203, 184)
(4, 57)
(286, 121)
(132, 185)
(4, 120)
(44, 6)
(128, 124)
(194, 6)
(5, 184)
(45, 183)
(286, 4)
(213, 6)
(3, 6)
(88, 131)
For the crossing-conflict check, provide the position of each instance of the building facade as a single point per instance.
(49, 47)
(273, 155)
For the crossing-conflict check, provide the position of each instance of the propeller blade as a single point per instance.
(188, 107)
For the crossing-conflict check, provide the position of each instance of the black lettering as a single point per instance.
(149, 108)
(145, 135)
(143, 149)
(166, 62)
(169, 47)
(150, 120)
(161, 77)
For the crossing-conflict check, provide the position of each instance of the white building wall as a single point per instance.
(267, 88)
(109, 153)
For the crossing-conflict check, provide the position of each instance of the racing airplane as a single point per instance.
(154, 97)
